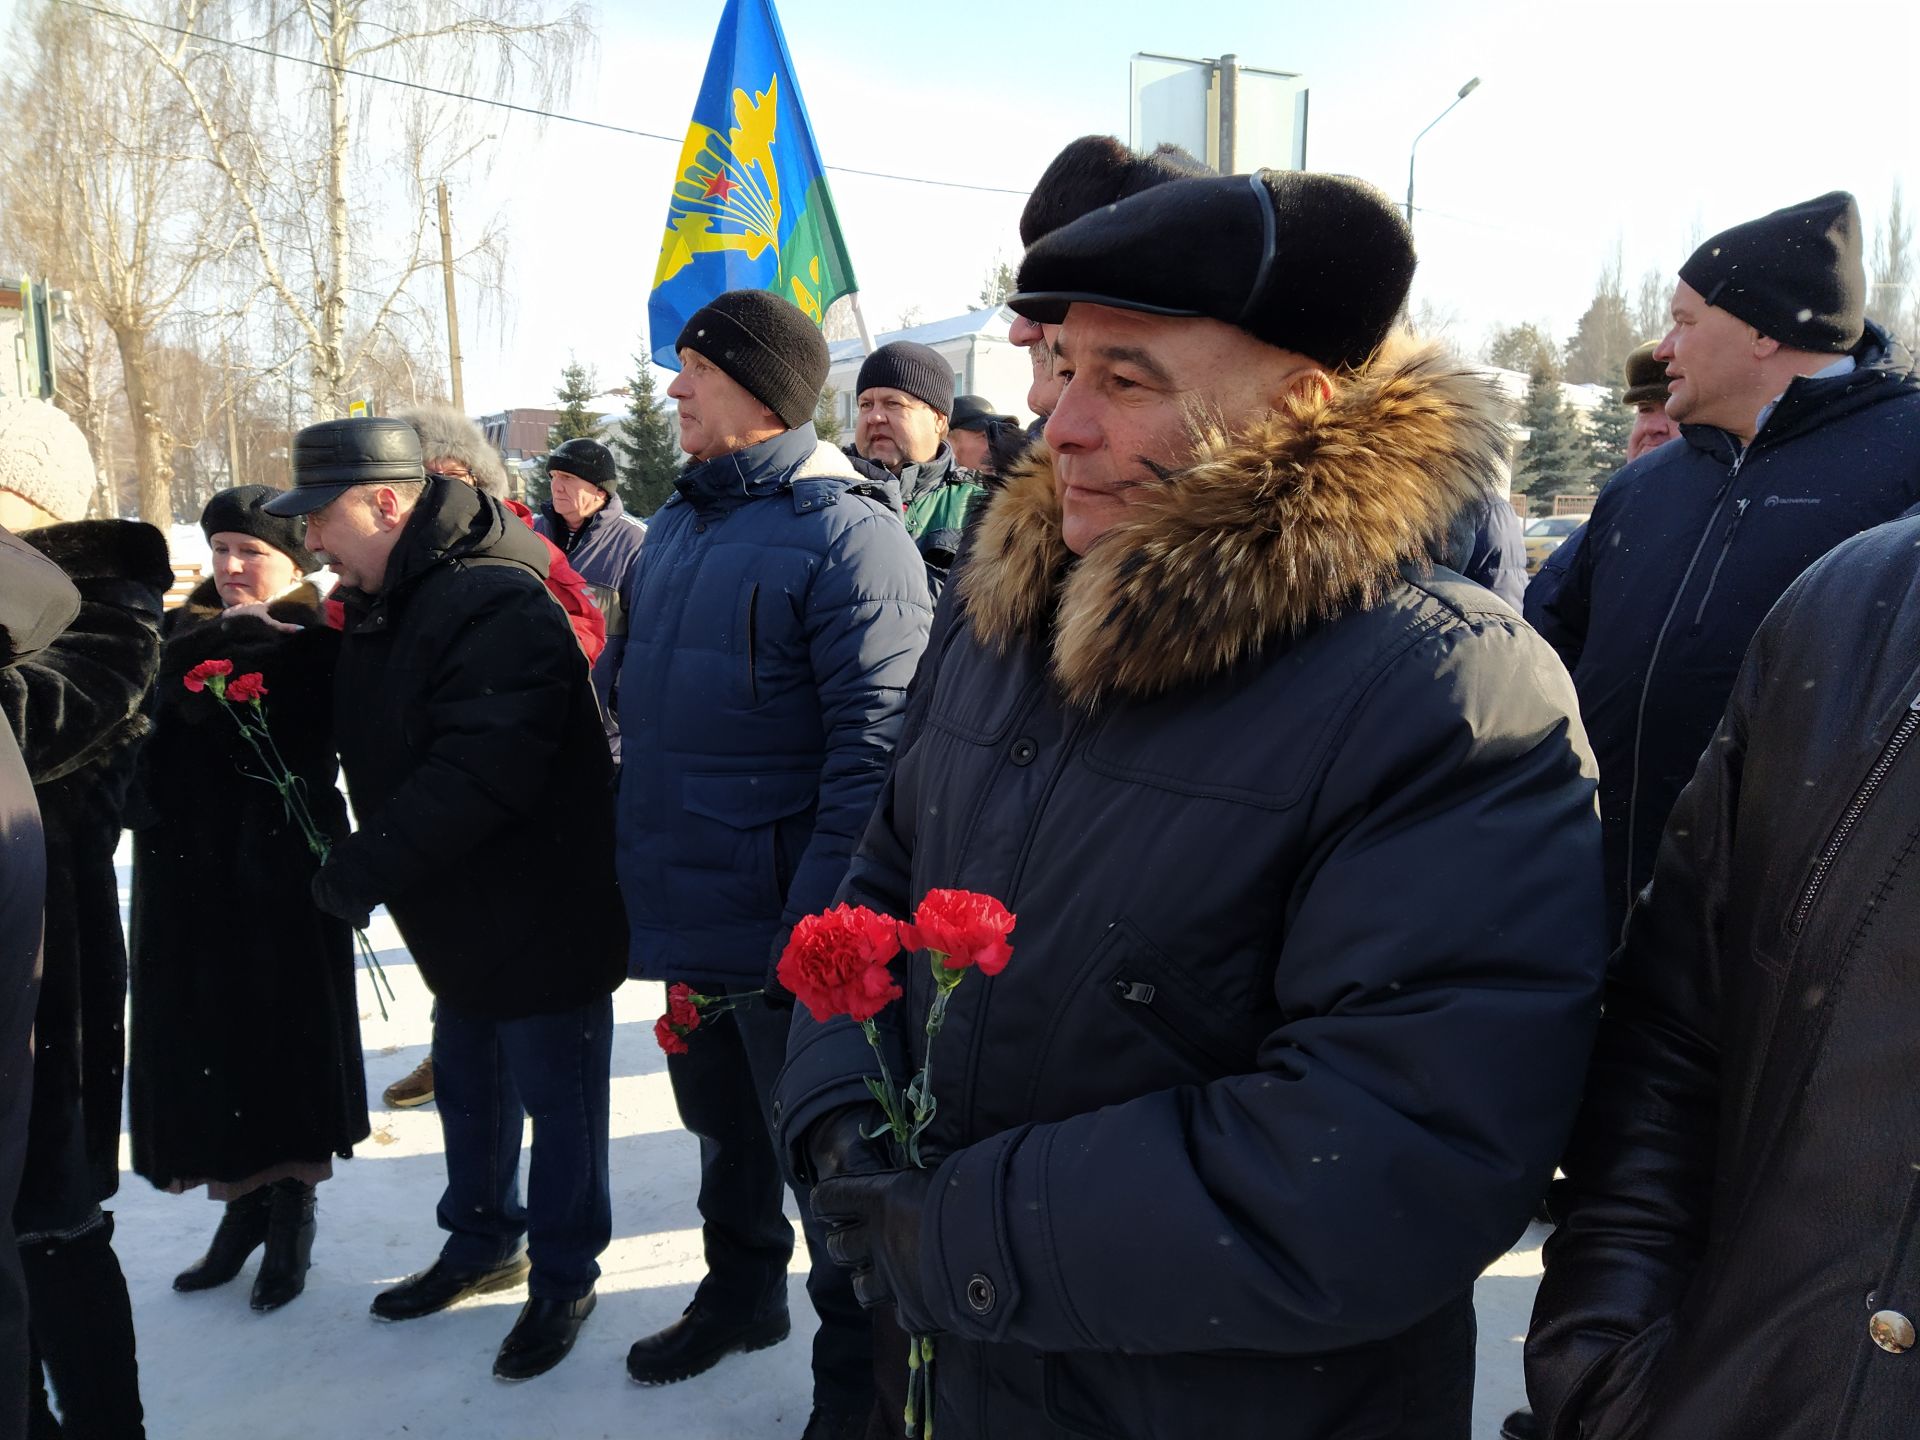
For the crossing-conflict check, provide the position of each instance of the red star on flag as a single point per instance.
(718, 188)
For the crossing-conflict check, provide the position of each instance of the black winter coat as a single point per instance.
(246, 1025)
(77, 709)
(1302, 844)
(475, 756)
(1743, 1191)
(36, 603)
(1687, 550)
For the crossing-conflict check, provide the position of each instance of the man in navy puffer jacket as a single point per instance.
(779, 610)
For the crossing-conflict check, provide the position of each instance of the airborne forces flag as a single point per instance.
(750, 209)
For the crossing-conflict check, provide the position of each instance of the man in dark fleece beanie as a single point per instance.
(905, 396)
(1800, 429)
(784, 611)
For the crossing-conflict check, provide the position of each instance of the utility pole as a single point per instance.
(453, 315)
(1229, 108)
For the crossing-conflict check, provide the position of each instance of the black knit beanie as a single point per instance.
(237, 511)
(1794, 275)
(766, 344)
(922, 372)
(1098, 170)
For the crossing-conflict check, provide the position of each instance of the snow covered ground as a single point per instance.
(211, 1369)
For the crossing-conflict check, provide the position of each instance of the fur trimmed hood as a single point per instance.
(1312, 510)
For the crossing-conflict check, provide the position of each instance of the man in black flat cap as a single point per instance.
(1223, 1148)
(474, 755)
(974, 430)
(1799, 429)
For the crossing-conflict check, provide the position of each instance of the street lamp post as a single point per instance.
(1465, 90)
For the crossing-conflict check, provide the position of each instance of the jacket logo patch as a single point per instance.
(1773, 500)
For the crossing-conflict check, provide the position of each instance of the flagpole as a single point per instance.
(860, 319)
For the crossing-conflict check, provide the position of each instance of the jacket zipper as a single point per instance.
(1739, 513)
(1850, 818)
(1653, 659)
(1145, 994)
(753, 645)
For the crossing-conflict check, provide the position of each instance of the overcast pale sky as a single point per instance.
(1636, 124)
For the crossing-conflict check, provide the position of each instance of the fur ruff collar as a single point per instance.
(1309, 512)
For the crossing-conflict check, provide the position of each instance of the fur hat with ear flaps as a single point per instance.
(1311, 510)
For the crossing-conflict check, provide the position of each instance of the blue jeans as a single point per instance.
(488, 1075)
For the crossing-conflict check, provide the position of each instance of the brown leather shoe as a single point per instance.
(414, 1089)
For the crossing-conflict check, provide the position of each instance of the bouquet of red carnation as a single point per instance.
(244, 698)
(686, 1007)
(839, 963)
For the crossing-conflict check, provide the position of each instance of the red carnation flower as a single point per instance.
(836, 963)
(683, 1008)
(968, 930)
(196, 679)
(671, 1040)
(248, 688)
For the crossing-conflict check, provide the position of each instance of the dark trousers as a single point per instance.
(724, 1088)
(82, 1329)
(488, 1076)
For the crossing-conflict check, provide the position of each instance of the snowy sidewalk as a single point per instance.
(211, 1369)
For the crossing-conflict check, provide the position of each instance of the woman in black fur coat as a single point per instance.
(245, 1072)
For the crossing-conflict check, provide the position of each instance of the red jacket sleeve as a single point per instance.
(566, 586)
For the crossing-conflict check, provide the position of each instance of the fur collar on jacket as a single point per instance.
(1311, 511)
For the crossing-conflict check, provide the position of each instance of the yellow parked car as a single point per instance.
(1545, 534)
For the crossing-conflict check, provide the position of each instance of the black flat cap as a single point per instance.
(1316, 264)
(1794, 275)
(975, 412)
(332, 457)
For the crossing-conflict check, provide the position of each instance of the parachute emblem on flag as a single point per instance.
(728, 193)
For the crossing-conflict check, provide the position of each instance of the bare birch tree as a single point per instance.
(330, 169)
(103, 186)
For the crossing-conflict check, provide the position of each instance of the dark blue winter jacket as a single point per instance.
(778, 614)
(1489, 547)
(603, 551)
(1688, 548)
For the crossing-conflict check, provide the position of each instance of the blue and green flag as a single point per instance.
(751, 209)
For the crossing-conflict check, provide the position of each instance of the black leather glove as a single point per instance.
(873, 1229)
(332, 895)
(837, 1144)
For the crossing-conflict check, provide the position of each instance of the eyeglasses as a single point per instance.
(451, 472)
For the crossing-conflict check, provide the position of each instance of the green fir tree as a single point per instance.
(647, 445)
(826, 416)
(577, 387)
(1556, 458)
(1611, 428)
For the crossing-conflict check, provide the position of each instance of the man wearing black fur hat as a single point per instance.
(782, 609)
(75, 709)
(474, 754)
(1222, 1150)
(1799, 429)
(245, 1071)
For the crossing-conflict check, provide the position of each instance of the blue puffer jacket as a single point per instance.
(1653, 603)
(779, 611)
(604, 551)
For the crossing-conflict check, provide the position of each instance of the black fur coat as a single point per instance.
(75, 707)
(246, 1024)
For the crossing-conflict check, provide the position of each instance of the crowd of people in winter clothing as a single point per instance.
(1366, 892)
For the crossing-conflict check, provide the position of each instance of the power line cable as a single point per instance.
(497, 104)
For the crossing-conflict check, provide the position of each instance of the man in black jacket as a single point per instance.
(1798, 429)
(1222, 1150)
(1739, 1247)
(473, 752)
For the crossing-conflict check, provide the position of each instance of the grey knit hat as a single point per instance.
(44, 458)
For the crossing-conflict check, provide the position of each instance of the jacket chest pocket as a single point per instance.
(1132, 1020)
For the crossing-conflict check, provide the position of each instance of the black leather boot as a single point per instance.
(698, 1341)
(541, 1337)
(243, 1229)
(290, 1226)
